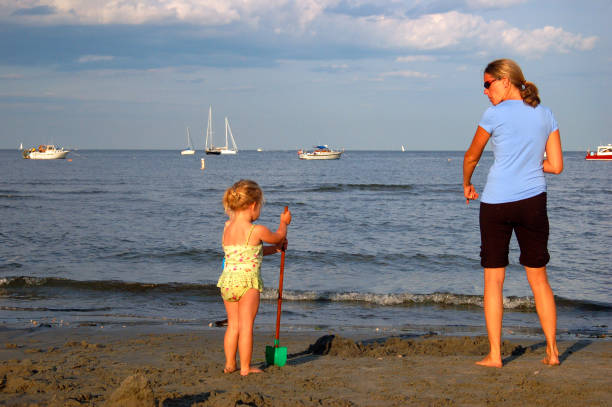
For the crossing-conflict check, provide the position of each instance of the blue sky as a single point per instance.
(355, 74)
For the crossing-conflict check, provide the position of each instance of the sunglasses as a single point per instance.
(487, 84)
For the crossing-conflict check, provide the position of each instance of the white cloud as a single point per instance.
(198, 12)
(416, 58)
(483, 4)
(545, 39)
(407, 74)
(210, 12)
(460, 30)
(94, 58)
(309, 20)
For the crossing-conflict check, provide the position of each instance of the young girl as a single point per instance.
(240, 283)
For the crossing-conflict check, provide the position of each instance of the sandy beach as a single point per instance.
(153, 366)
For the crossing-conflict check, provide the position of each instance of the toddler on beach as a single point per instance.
(240, 283)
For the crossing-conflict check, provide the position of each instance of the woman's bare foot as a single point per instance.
(490, 361)
(229, 369)
(552, 358)
(251, 370)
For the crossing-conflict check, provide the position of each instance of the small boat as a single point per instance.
(189, 150)
(403, 149)
(320, 153)
(603, 153)
(20, 146)
(210, 147)
(45, 152)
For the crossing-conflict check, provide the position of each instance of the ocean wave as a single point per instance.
(165, 254)
(380, 258)
(441, 299)
(104, 285)
(361, 187)
(377, 188)
(45, 309)
(403, 299)
(14, 195)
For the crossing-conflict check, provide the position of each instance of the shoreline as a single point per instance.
(178, 366)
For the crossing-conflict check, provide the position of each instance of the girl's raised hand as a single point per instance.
(286, 216)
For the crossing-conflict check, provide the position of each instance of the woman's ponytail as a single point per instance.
(530, 95)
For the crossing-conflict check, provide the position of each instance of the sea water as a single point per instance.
(379, 240)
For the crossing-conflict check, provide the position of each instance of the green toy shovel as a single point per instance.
(277, 355)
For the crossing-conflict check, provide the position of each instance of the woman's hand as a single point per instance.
(470, 193)
(470, 161)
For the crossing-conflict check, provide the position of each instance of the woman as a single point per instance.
(514, 197)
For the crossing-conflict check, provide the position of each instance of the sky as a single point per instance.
(354, 74)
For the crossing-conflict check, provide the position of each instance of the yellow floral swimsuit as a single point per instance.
(242, 270)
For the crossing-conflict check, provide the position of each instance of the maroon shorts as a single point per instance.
(529, 221)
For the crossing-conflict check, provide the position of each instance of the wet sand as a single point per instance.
(95, 366)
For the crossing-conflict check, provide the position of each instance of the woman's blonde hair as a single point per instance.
(507, 68)
(242, 194)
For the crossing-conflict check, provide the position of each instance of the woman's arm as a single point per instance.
(470, 160)
(553, 163)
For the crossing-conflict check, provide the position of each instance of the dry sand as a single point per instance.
(95, 366)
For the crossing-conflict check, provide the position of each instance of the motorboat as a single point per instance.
(45, 152)
(603, 153)
(322, 152)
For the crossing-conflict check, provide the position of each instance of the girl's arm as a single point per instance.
(553, 163)
(275, 249)
(266, 235)
(470, 160)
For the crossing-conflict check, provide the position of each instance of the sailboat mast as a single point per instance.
(228, 129)
(226, 143)
(209, 143)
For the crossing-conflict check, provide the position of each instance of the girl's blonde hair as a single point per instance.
(242, 194)
(507, 68)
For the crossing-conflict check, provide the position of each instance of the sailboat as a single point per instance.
(189, 150)
(20, 146)
(228, 131)
(210, 147)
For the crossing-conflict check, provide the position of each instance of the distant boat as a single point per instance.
(45, 152)
(403, 149)
(189, 150)
(20, 146)
(210, 147)
(320, 153)
(228, 131)
(260, 150)
(603, 153)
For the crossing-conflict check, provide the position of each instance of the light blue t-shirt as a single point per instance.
(518, 134)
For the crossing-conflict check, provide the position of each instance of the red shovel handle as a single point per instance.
(280, 294)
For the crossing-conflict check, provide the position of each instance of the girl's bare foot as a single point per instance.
(490, 361)
(229, 369)
(251, 370)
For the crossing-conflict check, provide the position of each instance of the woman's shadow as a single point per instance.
(521, 350)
